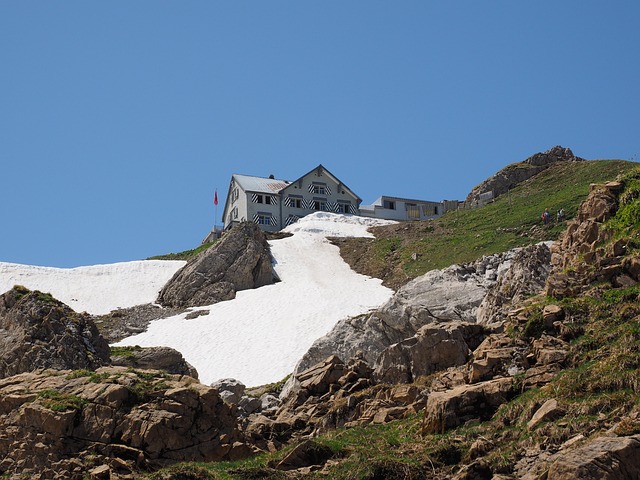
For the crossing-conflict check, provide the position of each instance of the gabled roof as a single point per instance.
(332, 176)
(259, 184)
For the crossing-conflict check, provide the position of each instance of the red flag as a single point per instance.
(215, 198)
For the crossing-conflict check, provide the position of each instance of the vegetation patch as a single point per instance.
(186, 255)
(407, 250)
(61, 402)
(128, 352)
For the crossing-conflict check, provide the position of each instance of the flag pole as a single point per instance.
(215, 203)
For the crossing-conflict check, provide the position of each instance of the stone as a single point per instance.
(551, 314)
(433, 348)
(523, 277)
(241, 260)
(516, 173)
(39, 332)
(155, 358)
(451, 408)
(547, 412)
(307, 453)
(130, 420)
(230, 389)
(604, 458)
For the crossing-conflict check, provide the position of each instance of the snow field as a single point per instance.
(96, 289)
(258, 337)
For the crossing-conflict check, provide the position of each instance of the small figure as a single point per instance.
(546, 216)
(560, 215)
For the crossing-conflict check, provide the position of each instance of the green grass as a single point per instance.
(512, 220)
(186, 255)
(61, 402)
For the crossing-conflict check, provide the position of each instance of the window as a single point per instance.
(389, 204)
(263, 219)
(320, 205)
(319, 189)
(234, 195)
(267, 199)
(257, 198)
(294, 202)
(344, 207)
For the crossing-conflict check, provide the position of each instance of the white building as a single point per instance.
(273, 204)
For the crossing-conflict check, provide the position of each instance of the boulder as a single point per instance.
(230, 389)
(578, 246)
(37, 331)
(433, 348)
(604, 458)
(451, 408)
(153, 358)
(547, 412)
(240, 261)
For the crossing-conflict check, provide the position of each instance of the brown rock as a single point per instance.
(605, 458)
(240, 261)
(448, 409)
(548, 411)
(40, 332)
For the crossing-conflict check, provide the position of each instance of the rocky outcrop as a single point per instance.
(452, 294)
(581, 248)
(116, 420)
(434, 348)
(165, 359)
(512, 175)
(450, 408)
(38, 331)
(604, 458)
(240, 261)
(331, 394)
(525, 277)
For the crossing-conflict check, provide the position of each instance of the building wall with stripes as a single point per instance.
(316, 191)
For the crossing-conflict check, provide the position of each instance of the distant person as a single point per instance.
(560, 215)
(546, 216)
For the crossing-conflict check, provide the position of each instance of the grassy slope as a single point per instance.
(600, 387)
(513, 220)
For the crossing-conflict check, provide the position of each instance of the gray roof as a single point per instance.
(260, 184)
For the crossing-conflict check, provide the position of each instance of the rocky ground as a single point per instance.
(479, 360)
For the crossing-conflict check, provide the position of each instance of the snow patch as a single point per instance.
(96, 289)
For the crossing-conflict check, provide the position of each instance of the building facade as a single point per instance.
(400, 209)
(273, 204)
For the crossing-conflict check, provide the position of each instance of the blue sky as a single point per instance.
(119, 120)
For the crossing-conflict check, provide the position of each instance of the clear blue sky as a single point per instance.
(119, 120)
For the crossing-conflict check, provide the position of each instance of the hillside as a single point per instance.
(573, 412)
(404, 251)
(522, 364)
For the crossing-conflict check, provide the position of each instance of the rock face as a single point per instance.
(432, 349)
(605, 458)
(578, 248)
(526, 276)
(154, 358)
(240, 261)
(115, 419)
(450, 295)
(512, 175)
(37, 331)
